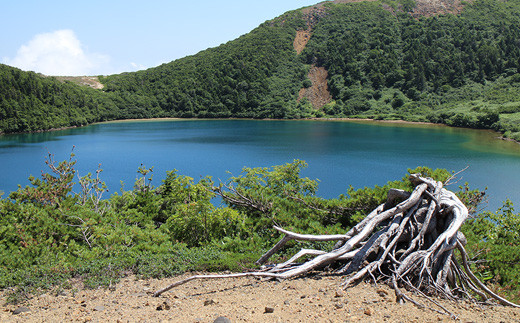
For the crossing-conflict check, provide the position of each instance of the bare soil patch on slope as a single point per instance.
(314, 299)
(91, 81)
(318, 93)
(301, 40)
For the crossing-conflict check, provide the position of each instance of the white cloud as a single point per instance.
(58, 53)
(137, 67)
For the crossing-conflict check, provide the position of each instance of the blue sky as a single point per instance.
(69, 37)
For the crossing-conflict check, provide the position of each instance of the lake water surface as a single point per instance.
(338, 153)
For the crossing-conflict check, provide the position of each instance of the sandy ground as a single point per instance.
(241, 300)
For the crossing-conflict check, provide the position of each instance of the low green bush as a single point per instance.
(50, 232)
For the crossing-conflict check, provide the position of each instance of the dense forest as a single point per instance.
(383, 62)
(458, 70)
(32, 102)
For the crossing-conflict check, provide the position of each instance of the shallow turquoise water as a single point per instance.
(339, 154)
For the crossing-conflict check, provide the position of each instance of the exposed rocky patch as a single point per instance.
(301, 40)
(91, 81)
(318, 93)
(437, 7)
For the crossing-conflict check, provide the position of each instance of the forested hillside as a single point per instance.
(255, 76)
(32, 102)
(408, 60)
(459, 70)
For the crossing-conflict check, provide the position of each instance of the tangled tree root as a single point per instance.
(407, 242)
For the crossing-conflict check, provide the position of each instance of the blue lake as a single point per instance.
(338, 153)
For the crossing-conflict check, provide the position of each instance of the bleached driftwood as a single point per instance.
(407, 242)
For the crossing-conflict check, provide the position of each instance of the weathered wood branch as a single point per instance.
(408, 242)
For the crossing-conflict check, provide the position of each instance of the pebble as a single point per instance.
(139, 294)
(269, 309)
(21, 309)
(222, 319)
(209, 302)
(163, 307)
(339, 293)
(369, 311)
(382, 292)
(99, 308)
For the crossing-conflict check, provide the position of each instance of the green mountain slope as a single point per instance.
(256, 76)
(436, 60)
(460, 70)
(32, 102)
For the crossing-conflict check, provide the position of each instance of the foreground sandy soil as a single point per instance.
(240, 300)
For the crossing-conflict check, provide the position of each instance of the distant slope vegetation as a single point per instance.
(459, 70)
(32, 102)
(255, 76)
(416, 61)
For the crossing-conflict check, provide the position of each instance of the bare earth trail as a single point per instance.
(315, 299)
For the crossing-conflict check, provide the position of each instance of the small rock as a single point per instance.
(369, 311)
(287, 303)
(269, 309)
(139, 294)
(99, 308)
(338, 306)
(370, 301)
(21, 309)
(382, 292)
(222, 319)
(163, 307)
(339, 293)
(209, 302)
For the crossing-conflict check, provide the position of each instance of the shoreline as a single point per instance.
(359, 120)
(142, 119)
(403, 122)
